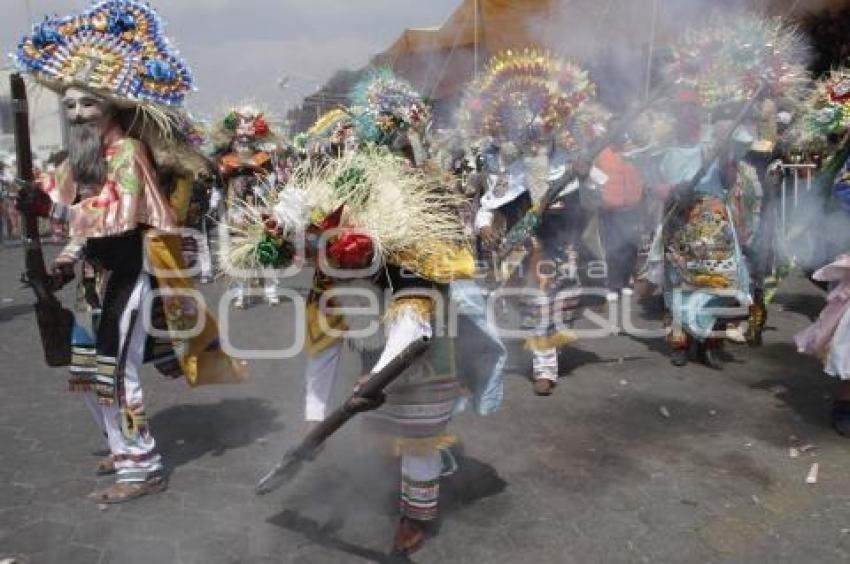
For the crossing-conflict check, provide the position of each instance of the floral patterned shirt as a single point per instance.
(129, 198)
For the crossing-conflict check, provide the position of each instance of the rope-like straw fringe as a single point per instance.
(405, 211)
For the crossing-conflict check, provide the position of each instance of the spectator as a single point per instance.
(621, 219)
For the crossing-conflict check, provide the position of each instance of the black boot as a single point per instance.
(709, 354)
(841, 417)
(679, 357)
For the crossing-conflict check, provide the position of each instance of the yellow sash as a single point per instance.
(201, 358)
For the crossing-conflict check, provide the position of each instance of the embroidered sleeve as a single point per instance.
(59, 185)
(125, 177)
(115, 209)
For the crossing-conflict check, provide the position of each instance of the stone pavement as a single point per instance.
(632, 460)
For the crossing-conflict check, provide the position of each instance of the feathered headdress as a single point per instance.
(727, 59)
(827, 110)
(523, 92)
(383, 102)
(116, 48)
(408, 218)
(246, 120)
(329, 123)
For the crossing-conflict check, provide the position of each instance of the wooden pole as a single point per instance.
(651, 49)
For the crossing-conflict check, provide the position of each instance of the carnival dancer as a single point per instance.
(244, 141)
(829, 337)
(731, 64)
(703, 269)
(119, 219)
(620, 218)
(525, 102)
(388, 231)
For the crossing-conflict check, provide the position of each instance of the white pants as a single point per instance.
(420, 486)
(204, 258)
(420, 475)
(270, 286)
(320, 375)
(320, 372)
(132, 446)
(544, 364)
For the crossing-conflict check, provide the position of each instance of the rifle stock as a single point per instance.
(54, 322)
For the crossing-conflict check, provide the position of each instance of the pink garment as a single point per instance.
(129, 198)
(829, 337)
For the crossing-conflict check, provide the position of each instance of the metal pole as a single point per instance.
(784, 207)
(475, 39)
(651, 51)
(796, 186)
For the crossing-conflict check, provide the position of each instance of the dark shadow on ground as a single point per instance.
(651, 307)
(8, 313)
(187, 432)
(800, 382)
(655, 344)
(327, 535)
(809, 304)
(362, 487)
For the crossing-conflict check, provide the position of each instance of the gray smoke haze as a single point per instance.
(613, 38)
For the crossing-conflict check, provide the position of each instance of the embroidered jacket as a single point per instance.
(129, 198)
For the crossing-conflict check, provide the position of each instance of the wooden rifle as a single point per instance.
(687, 189)
(55, 323)
(515, 244)
(368, 396)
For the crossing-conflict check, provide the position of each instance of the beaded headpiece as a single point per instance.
(116, 48)
(525, 90)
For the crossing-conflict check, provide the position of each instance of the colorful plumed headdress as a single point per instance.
(827, 110)
(383, 102)
(408, 217)
(524, 93)
(727, 59)
(245, 121)
(334, 126)
(116, 48)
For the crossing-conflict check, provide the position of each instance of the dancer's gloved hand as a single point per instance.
(361, 404)
(489, 238)
(61, 272)
(32, 201)
(582, 166)
(684, 193)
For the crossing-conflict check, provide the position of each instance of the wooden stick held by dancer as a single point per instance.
(55, 323)
(367, 397)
